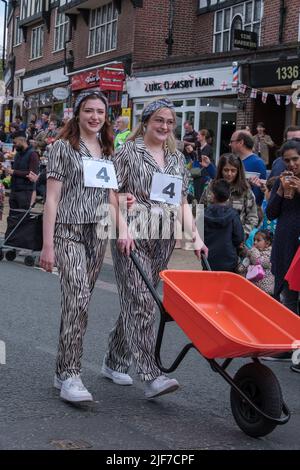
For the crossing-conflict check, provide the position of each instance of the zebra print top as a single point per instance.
(135, 168)
(78, 204)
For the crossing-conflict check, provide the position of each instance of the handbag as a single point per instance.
(255, 272)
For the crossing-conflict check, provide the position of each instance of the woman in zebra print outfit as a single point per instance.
(150, 154)
(73, 234)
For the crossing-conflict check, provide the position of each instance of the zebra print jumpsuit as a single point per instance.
(133, 336)
(80, 240)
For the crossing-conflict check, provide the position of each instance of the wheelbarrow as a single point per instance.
(225, 317)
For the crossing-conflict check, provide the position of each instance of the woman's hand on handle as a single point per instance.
(203, 250)
(125, 244)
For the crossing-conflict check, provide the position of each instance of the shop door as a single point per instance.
(209, 120)
(228, 127)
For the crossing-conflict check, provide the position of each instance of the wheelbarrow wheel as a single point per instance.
(260, 384)
(10, 255)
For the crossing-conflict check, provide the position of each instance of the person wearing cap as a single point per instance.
(75, 236)
(149, 167)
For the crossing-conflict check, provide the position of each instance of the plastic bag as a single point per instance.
(255, 272)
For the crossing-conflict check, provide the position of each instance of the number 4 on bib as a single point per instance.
(102, 175)
(169, 190)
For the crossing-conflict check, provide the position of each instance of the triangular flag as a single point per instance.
(223, 85)
(242, 89)
(253, 93)
(288, 99)
(264, 97)
(277, 98)
(298, 104)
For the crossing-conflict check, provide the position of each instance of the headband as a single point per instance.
(154, 106)
(85, 94)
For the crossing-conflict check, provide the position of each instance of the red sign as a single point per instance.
(83, 80)
(111, 80)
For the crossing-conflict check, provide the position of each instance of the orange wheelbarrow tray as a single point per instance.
(225, 316)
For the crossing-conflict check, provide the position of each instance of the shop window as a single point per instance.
(246, 15)
(190, 103)
(18, 33)
(37, 42)
(103, 29)
(61, 30)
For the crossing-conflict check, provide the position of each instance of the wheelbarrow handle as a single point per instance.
(151, 288)
(205, 263)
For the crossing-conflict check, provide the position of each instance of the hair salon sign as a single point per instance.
(190, 81)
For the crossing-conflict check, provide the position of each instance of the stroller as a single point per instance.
(24, 232)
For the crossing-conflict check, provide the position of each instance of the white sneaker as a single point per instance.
(160, 386)
(117, 377)
(72, 389)
(57, 383)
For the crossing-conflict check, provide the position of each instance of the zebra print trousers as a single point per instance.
(79, 253)
(133, 336)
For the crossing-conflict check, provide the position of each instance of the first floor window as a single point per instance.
(37, 42)
(61, 30)
(18, 32)
(246, 16)
(103, 29)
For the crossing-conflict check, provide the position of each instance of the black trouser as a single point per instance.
(290, 298)
(20, 199)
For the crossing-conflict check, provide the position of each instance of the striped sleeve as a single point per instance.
(184, 173)
(57, 161)
(120, 161)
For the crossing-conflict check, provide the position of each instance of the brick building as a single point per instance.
(181, 48)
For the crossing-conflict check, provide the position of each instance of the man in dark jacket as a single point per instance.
(223, 230)
(25, 161)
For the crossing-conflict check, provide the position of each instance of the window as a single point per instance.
(30, 8)
(37, 42)
(207, 3)
(61, 30)
(103, 29)
(18, 32)
(246, 16)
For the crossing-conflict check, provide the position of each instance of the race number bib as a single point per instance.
(166, 188)
(99, 174)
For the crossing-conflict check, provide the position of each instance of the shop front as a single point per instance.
(107, 78)
(204, 97)
(277, 85)
(40, 93)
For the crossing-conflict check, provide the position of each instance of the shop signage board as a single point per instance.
(60, 93)
(106, 79)
(245, 39)
(6, 119)
(208, 80)
(111, 80)
(43, 80)
(274, 74)
(83, 80)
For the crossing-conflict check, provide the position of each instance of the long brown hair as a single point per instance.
(240, 183)
(71, 131)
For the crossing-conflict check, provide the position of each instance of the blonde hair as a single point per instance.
(139, 131)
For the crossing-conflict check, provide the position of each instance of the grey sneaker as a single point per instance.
(117, 377)
(160, 386)
(57, 383)
(73, 390)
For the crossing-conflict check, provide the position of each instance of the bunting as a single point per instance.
(265, 96)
